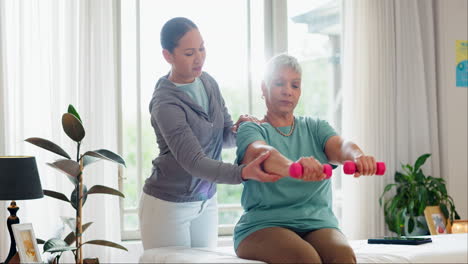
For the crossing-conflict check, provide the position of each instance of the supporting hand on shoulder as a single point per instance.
(245, 118)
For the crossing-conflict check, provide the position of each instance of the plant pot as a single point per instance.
(417, 231)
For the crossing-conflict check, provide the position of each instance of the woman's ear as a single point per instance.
(264, 89)
(167, 56)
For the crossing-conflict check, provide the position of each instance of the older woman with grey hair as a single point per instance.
(291, 220)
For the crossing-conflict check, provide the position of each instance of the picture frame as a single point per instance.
(436, 221)
(26, 242)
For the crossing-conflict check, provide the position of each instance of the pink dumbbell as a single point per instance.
(349, 167)
(296, 170)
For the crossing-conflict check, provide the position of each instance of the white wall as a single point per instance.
(451, 25)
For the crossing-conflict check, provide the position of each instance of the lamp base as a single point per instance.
(12, 219)
(14, 260)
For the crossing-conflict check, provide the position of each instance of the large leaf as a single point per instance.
(410, 224)
(73, 127)
(408, 169)
(48, 145)
(399, 177)
(443, 189)
(106, 155)
(457, 216)
(70, 238)
(422, 200)
(72, 110)
(420, 161)
(106, 243)
(87, 160)
(56, 195)
(104, 190)
(71, 168)
(40, 241)
(74, 197)
(411, 206)
(401, 220)
(69, 221)
(387, 188)
(420, 177)
(443, 208)
(57, 245)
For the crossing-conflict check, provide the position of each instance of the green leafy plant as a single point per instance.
(74, 170)
(415, 191)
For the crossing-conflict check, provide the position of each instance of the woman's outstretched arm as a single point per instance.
(278, 164)
(339, 150)
(275, 163)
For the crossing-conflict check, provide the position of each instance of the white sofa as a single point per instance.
(451, 248)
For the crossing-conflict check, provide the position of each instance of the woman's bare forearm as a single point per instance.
(339, 150)
(276, 162)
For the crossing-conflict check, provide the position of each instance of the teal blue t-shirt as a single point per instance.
(291, 203)
(196, 91)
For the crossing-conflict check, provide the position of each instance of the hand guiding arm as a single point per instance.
(311, 169)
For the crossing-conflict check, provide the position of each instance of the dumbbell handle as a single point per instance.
(296, 170)
(349, 167)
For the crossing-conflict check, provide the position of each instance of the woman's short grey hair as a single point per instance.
(277, 63)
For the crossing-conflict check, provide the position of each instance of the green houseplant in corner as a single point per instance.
(404, 212)
(75, 171)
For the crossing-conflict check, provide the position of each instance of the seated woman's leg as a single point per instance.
(331, 245)
(277, 245)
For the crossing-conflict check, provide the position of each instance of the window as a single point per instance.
(314, 38)
(237, 43)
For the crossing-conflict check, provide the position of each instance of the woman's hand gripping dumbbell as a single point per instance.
(296, 170)
(350, 167)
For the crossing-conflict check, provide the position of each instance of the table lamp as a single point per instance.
(19, 180)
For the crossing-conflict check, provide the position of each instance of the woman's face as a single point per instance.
(187, 58)
(282, 94)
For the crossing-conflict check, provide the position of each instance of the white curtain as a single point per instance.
(56, 53)
(389, 106)
(4, 239)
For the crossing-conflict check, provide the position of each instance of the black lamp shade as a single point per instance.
(19, 178)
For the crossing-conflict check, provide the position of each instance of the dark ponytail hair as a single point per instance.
(173, 30)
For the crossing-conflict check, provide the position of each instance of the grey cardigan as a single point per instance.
(190, 142)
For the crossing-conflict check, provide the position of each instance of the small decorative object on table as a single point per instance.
(19, 180)
(436, 220)
(27, 245)
(460, 226)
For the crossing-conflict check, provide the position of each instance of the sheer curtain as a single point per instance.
(389, 106)
(57, 53)
(3, 205)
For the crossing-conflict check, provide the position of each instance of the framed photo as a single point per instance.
(435, 220)
(26, 242)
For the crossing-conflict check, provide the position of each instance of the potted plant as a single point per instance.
(74, 170)
(404, 212)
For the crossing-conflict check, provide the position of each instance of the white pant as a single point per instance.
(189, 224)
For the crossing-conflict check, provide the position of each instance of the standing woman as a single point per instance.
(178, 206)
